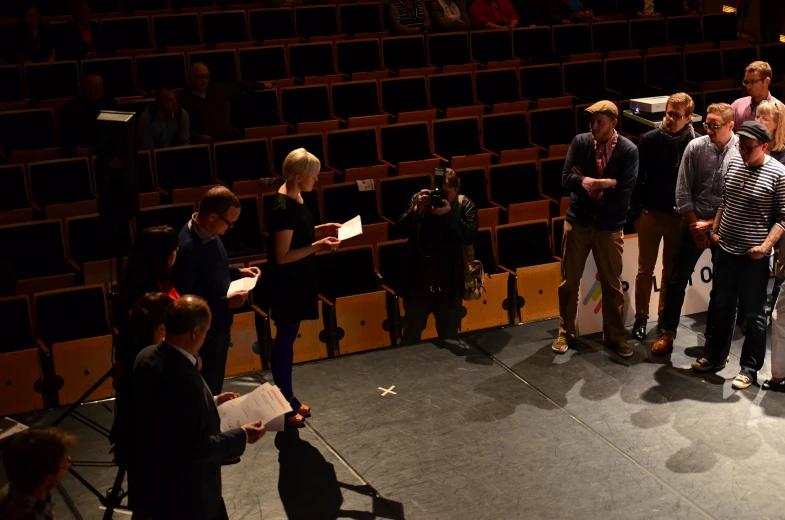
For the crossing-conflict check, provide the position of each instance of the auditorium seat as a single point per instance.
(160, 69)
(405, 142)
(353, 148)
(665, 71)
(541, 81)
(515, 187)
(508, 131)
(538, 271)
(718, 27)
(344, 201)
(735, 60)
(497, 86)
(14, 201)
(183, 167)
(245, 238)
(571, 39)
(315, 20)
(27, 130)
(585, 80)
(726, 95)
(282, 146)
(11, 84)
(451, 90)
(395, 193)
(118, 75)
(647, 33)
(532, 44)
(457, 137)
(355, 99)
(349, 284)
(549, 126)
(20, 364)
(175, 30)
(683, 30)
(56, 80)
(448, 49)
(93, 247)
(62, 188)
(305, 104)
(703, 66)
(404, 52)
(364, 17)
(174, 215)
(271, 24)
(241, 164)
(311, 60)
(409, 94)
(224, 27)
(127, 33)
(222, 64)
(774, 55)
(353, 56)
(550, 174)
(612, 36)
(145, 180)
(474, 184)
(267, 63)
(492, 309)
(628, 77)
(39, 265)
(73, 326)
(491, 46)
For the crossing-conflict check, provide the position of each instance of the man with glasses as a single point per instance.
(202, 268)
(698, 195)
(757, 78)
(653, 202)
(749, 222)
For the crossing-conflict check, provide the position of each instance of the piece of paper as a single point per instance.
(366, 185)
(242, 285)
(351, 229)
(266, 404)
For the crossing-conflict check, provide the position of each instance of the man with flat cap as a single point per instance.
(749, 222)
(600, 172)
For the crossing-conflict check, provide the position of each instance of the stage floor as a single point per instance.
(501, 427)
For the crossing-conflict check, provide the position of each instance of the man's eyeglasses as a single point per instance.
(675, 116)
(713, 128)
(230, 224)
(750, 81)
(746, 150)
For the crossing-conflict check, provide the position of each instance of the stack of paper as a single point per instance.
(244, 284)
(350, 229)
(266, 404)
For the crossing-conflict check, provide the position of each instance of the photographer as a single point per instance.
(438, 224)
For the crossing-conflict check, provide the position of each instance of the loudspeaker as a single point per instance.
(115, 167)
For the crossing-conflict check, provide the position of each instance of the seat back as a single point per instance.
(128, 33)
(355, 99)
(549, 126)
(27, 129)
(14, 193)
(508, 131)
(734, 61)
(160, 69)
(451, 90)
(10, 83)
(533, 44)
(222, 64)
(484, 251)
(405, 142)
(497, 85)
(241, 160)
(610, 36)
(535, 235)
(489, 46)
(703, 66)
(55, 80)
(282, 146)
(396, 192)
(224, 27)
(171, 30)
(718, 27)
(448, 49)
(263, 63)
(360, 18)
(90, 238)
(647, 33)
(271, 24)
(253, 109)
(392, 260)
(459, 136)
(71, 314)
(311, 59)
(625, 75)
(474, 185)
(541, 81)
(774, 55)
(16, 310)
(661, 67)
(306, 103)
(317, 20)
(683, 30)
(343, 202)
(118, 75)
(407, 94)
(60, 181)
(512, 183)
(347, 272)
(550, 173)
(352, 148)
(245, 238)
(403, 52)
(43, 253)
(358, 56)
(571, 39)
(584, 78)
(174, 215)
(183, 167)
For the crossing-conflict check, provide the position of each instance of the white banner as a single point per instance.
(696, 298)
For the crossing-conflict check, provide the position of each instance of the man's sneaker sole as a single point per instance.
(711, 368)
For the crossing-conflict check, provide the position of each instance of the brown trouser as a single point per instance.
(607, 247)
(653, 226)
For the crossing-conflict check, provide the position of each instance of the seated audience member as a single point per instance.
(207, 104)
(33, 40)
(83, 39)
(493, 14)
(35, 462)
(449, 15)
(409, 17)
(757, 78)
(164, 123)
(78, 124)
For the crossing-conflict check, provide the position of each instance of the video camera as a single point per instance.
(438, 195)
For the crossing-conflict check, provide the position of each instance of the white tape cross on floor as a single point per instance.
(388, 390)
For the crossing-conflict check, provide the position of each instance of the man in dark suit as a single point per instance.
(179, 445)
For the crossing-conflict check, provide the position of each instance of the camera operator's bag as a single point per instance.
(473, 272)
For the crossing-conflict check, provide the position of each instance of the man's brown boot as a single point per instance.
(663, 346)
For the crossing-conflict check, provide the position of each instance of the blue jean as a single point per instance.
(282, 361)
(738, 276)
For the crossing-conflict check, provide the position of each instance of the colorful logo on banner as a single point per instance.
(595, 294)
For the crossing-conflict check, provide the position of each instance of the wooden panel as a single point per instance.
(372, 75)
(368, 172)
(488, 311)
(98, 272)
(372, 235)
(519, 155)
(417, 116)
(506, 64)
(323, 80)
(366, 121)
(525, 211)
(308, 346)
(461, 67)
(474, 110)
(318, 126)
(538, 286)
(149, 200)
(362, 319)
(556, 102)
(44, 154)
(185, 195)
(558, 150)
(514, 106)
(430, 326)
(241, 358)
(265, 131)
(16, 216)
(254, 187)
(422, 71)
(46, 283)
(81, 364)
(72, 209)
(417, 167)
(19, 372)
(488, 217)
(471, 161)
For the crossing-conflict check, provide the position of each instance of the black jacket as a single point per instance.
(454, 233)
(179, 446)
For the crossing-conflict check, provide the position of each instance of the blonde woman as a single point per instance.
(291, 282)
(769, 114)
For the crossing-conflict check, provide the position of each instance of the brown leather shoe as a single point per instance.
(663, 346)
(296, 421)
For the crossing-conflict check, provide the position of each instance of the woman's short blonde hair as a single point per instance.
(774, 111)
(301, 162)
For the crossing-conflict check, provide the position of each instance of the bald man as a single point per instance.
(207, 104)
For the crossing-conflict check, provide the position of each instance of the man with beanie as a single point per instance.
(698, 194)
(750, 221)
(654, 199)
(600, 172)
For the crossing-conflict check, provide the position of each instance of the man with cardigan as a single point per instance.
(600, 172)
(202, 268)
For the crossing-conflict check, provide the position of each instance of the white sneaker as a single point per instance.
(741, 382)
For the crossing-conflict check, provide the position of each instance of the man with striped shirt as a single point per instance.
(749, 222)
